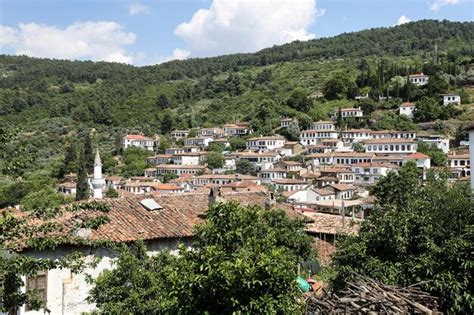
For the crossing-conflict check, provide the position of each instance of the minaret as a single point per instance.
(98, 182)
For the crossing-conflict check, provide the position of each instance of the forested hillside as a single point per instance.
(50, 101)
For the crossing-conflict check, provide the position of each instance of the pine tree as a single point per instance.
(88, 153)
(70, 161)
(82, 187)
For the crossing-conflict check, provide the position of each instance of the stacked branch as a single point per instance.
(367, 296)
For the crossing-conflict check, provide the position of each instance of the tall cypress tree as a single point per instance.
(82, 187)
(70, 160)
(88, 153)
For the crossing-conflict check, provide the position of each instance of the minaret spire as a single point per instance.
(98, 182)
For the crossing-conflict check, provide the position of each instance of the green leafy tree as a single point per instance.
(243, 261)
(340, 85)
(134, 159)
(111, 193)
(43, 199)
(244, 166)
(168, 177)
(437, 156)
(162, 101)
(237, 143)
(214, 160)
(299, 100)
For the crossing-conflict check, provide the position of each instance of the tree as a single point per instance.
(70, 161)
(299, 100)
(167, 122)
(237, 143)
(168, 177)
(340, 85)
(243, 261)
(427, 109)
(214, 160)
(43, 199)
(437, 156)
(245, 167)
(416, 234)
(134, 160)
(162, 101)
(88, 152)
(82, 187)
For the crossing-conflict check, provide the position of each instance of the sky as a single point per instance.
(144, 32)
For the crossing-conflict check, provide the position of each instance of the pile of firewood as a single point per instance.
(367, 296)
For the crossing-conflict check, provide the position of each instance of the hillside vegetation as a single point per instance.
(50, 101)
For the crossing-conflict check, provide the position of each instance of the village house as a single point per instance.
(390, 146)
(187, 158)
(201, 142)
(291, 148)
(459, 164)
(454, 99)
(179, 169)
(421, 160)
(391, 159)
(222, 179)
(213, 133)
(291, 166)
(159, 159)
(113, 182)
(161, 221)
(289, 184)
(185, 149)
(369, 173)
(68, 188)
(237, 129)
(312, 137)
(265, 143)
(305, 196)
(260, 160)
(418, 79)
(138, 141)
(285, 122)
(170, 188)
(349, 158)
(344, 174)
(323, 125)
(317, 148)
(342, 191)
(437, 141)
(348, 112)
(179, 134)
(407, 109)
(268, 175)
(356, 135)
(395, 134)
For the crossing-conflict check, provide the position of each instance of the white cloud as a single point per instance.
(230, 26)
(437, 4)
(178, 54)
(102, 40)
(402, 20)
(137, 8)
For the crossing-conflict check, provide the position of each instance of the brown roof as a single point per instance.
(130, 220)
(331, 223)
(137, 137)
(288, 181)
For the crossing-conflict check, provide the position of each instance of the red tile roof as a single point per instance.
(418, 156)
(137, 137)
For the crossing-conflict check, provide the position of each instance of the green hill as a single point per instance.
(50, 100)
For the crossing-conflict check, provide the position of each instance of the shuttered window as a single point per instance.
(39, 284)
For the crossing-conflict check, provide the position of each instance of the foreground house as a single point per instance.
(162, 222)
(265, 143)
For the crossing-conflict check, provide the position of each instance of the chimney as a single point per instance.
(270, 201)
(470, 129)
(215, 196)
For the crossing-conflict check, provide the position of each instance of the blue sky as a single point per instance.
(153, 31)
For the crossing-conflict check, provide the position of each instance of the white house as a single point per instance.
(342, 191)
(210, 133)
(159, 159)
(390, 146)
(201, 142)
(323, 125)
(355, 135)
(289, 184)
(437, 141)
(179, 169)
(396, 134)
(162, 221)
(312, 137)
(265, 143)
(451, 99)
(179, 134)
(407, 109)
(68, 188)
(285, 122)
(418, 79)
(460, 162)
(422, 160)
(237, 129)
(186, 158)
(138, 141)
(348, 112)
(369, 173)
(260, 160)
(308, 195)
(270, 174)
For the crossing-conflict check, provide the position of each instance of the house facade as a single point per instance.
(418, 79)
(265, 143)
(390, 146)
(138, 141)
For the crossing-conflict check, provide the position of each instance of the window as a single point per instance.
(39, 283)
